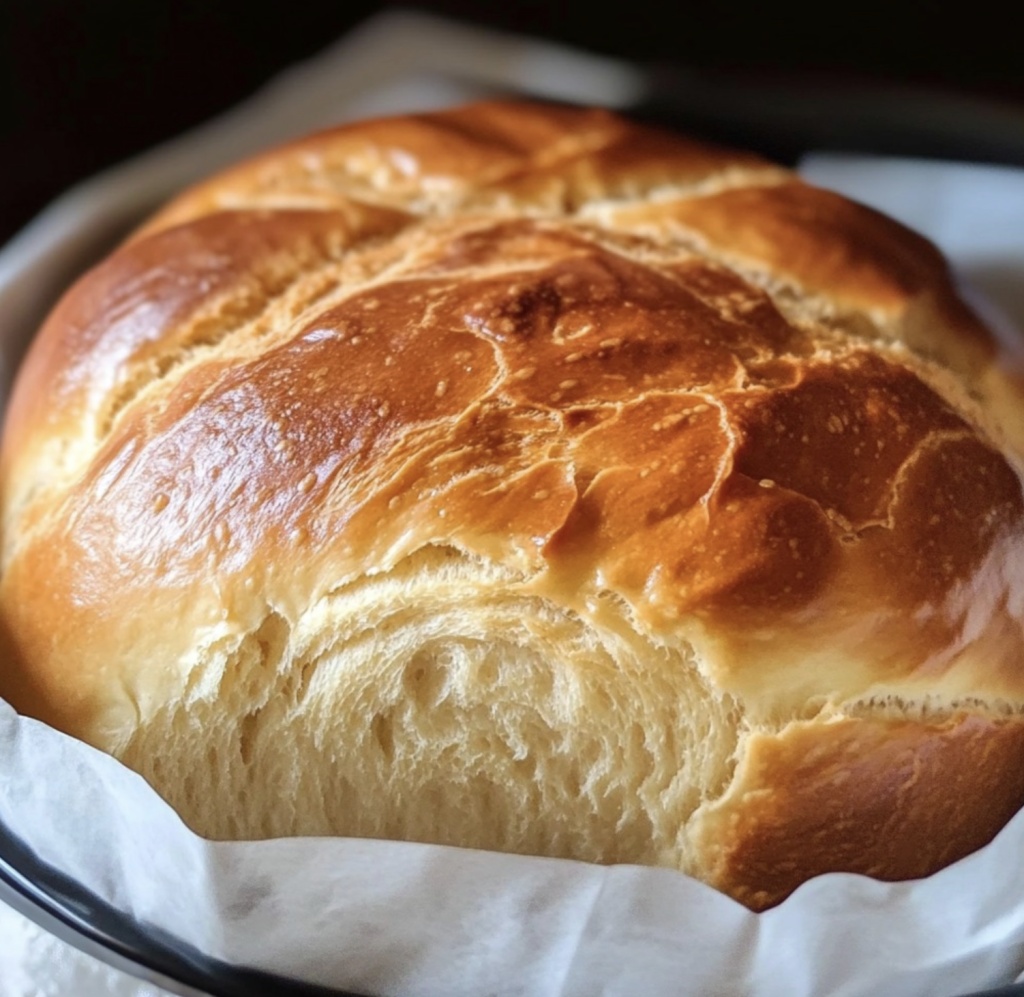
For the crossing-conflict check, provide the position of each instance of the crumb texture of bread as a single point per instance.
(522, 478)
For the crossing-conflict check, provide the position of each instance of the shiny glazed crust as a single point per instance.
(522, 478)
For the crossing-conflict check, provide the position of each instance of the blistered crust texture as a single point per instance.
(521, 478)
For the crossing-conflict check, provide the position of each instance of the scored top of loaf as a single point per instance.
(617, 362)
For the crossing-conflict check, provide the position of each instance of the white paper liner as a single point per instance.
(422, 921)
(413, 920)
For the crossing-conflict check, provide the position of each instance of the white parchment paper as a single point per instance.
(394, 918)
(411, 920)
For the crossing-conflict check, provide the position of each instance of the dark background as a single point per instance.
(84, 84)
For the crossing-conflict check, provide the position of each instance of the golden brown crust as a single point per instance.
(892, 799)
(613, 361)
(808, 237)
(503, 156)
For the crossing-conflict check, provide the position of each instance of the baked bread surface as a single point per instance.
(517, 477)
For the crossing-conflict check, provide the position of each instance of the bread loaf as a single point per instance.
(521, 478)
